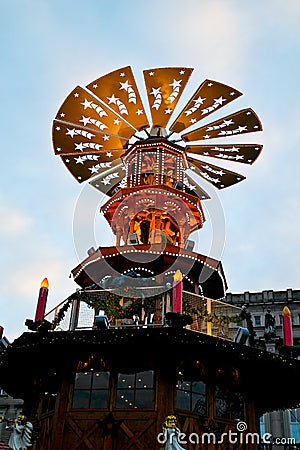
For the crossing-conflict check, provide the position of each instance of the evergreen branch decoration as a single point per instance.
(117, 306)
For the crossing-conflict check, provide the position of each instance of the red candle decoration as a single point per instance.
(42, 300)
(177, 292)
(287, 327)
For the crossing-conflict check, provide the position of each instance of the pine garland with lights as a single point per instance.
(118, 306)
(115, 306)
(215, 319)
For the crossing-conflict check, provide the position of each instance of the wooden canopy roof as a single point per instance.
(33, 355)
(114, 261)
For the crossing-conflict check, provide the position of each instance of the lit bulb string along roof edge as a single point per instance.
(97, 124)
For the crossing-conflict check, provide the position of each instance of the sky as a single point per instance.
(48, 220)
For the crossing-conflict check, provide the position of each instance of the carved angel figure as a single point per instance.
(20, 438)
(171, 434)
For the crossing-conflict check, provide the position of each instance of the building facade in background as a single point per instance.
(279, 423)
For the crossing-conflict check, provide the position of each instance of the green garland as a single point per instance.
(114, 305)
(215, 319)
(117, 306)
(61, 313)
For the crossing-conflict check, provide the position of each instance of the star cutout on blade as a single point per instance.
(139, 112)
(85, 120)
(71, 132)
(199, 101)
(106, 137)
(240, 129)
(168, 111)
(125, 85)
(76, 94)
(86, 104)
(226, 123)
(176, 84)
(155, 92)
(113, 99)
(109, 154)
(219, 100)
(79, 160)
(79, 146)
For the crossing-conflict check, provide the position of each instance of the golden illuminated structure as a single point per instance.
(149, 168)
(112, 383)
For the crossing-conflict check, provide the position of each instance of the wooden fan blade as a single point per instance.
(164, 87)
(243, 153)
(209, 97)
(81, 108)
(84, 167)
(108, 181)
(195, 188)
(72, 139)
(119, 90)
(219, 177)
(241, 122)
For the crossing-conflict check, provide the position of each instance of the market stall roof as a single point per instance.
(33, 354)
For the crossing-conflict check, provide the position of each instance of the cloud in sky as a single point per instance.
(50, 47)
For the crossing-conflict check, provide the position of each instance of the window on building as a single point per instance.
(295, 415)
(191, 396)
(229, 404)
(135, 390)
(280, 319)
(295, 423)
(91, 390)
(257, 321)
(262, 425)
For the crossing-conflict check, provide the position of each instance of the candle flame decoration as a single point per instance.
(178, 275)
(42, 300)
(287, 327)
(177, 292)
(45, 283)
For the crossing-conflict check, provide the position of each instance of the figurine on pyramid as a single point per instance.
(171, 434)
(20, 438)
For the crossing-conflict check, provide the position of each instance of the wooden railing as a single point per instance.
(212, 317)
